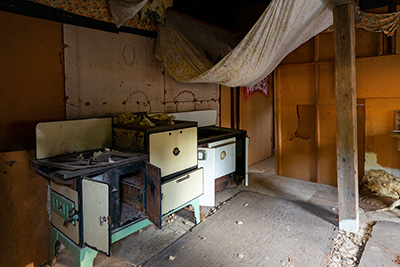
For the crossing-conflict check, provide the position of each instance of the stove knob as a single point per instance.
(222, 155)
(176, 151)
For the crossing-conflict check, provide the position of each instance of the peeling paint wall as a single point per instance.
(108, 73)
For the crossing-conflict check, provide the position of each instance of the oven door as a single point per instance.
(224, 156)
(173, 151)
(96, 215)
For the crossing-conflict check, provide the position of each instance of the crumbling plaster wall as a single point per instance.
(108, 73)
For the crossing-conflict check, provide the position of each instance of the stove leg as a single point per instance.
(83, 257)
(196, 206)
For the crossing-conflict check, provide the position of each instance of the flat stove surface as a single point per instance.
(214, 133)
(90, 159)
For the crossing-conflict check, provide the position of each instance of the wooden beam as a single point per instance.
(345, 87)
(278, 121)
(342, 2)
(317, 132)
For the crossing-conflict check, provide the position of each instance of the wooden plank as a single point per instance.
(382, 248)
(267, 231)
(317, 133)
(343, 2)
(345, 87)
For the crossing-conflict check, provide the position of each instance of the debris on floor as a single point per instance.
(383, 184)
(348, 247)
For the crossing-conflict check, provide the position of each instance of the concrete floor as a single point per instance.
(141, 246)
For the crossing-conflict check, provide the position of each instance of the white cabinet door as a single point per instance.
(207, 162)
(225, 160)
(95, 213)
(173, 151)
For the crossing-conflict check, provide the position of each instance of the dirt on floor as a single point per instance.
(348, 247)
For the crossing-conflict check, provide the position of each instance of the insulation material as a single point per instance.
(382, 183)
(284, 26)
(124, 10)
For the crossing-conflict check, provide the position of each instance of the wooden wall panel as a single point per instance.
(378, 77)
(367, 44)
(297, 85)
(31, 78)
(304, 53)
(380, 148)
(327, 147)
(327, 84)
(24, 231)
(326, 47)
(256, 117)
(225, 106)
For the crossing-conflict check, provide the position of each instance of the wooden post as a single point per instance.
(317, 131)
(278, 121)
(345, 84)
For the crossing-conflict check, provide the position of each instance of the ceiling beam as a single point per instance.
(342, 2)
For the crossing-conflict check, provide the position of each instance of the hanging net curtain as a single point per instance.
(202, 54)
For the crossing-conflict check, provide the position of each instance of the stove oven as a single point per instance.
(222, 152)
(100, 195)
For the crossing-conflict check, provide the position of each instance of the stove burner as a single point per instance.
(89, 159)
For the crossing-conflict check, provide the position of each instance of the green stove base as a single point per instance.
(84, 256)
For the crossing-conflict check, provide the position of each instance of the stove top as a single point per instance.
(90, 159)
(215, 133)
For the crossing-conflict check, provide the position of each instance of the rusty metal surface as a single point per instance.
(153, 194)
(87, 159)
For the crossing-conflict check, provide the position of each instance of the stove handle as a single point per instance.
(183, 179)
(71, 219)
(202, 155)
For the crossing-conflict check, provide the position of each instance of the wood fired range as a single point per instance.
(99, 196)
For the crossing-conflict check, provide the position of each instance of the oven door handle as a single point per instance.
(202, 154)
(183, 179)
(224, 144)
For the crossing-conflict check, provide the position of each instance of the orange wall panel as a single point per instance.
(378, 77)
(297, 85)
(24, 231)
(378, 95)
(256, 118)
(225, 106)
(304, 53)
(31, 78)
(327, 149)
(378, 128)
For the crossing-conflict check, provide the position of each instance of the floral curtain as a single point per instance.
(147, 17)
(386, 23)
(285, 25)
